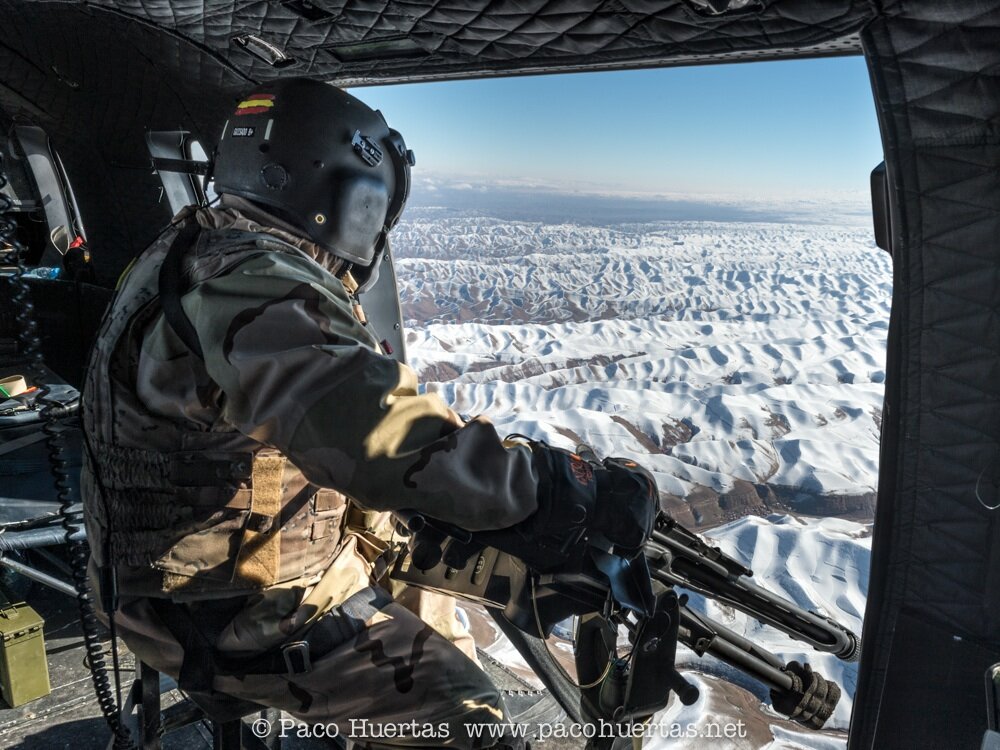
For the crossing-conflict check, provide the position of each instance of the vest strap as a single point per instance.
(259, 558)
(199, 636)
(174, 283)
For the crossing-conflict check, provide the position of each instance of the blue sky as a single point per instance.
(803, 127)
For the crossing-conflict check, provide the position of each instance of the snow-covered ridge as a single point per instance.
(717, 353)
(450, 272)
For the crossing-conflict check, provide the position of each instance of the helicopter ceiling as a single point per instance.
(395, 41)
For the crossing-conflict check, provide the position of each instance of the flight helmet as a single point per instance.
(320, 160)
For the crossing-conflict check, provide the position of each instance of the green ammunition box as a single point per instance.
(24, 672)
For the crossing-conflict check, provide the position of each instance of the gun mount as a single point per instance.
(602, 591)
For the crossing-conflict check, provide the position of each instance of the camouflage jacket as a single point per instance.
(290, 381)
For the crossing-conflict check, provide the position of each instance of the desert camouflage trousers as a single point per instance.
(409, 678)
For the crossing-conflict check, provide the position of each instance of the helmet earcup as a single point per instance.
(358, 205)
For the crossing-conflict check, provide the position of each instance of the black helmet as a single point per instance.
(319, 159)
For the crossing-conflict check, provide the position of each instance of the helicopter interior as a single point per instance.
(91, 93)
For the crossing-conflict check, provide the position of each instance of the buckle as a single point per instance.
(260, 522)
(296, 657)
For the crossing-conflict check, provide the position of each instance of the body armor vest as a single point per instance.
(180, 510)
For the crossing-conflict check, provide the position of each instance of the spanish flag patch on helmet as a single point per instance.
(255, 104)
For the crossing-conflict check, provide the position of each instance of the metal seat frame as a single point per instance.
(149, 723)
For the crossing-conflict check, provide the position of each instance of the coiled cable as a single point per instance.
(78, 551)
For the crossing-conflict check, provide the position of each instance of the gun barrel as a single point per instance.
(707, 636)
(685, 568)
(735, 639)
(675, 537)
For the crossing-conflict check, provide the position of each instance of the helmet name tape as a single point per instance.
(366, 149)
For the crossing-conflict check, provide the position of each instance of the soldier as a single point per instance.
(246, 438)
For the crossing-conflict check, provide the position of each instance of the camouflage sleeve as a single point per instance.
(298, 372)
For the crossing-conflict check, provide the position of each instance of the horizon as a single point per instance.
(443, 196)
(778, 130)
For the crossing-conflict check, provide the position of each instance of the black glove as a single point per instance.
(811, 699)
(612, 503)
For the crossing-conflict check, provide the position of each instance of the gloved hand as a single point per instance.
(613, 503)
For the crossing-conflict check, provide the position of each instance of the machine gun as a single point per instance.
(646, 598)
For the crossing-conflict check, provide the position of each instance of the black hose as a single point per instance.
(72, 517)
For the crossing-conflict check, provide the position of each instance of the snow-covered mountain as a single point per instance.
(742, 363)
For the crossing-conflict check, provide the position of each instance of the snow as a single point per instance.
(768, 340)
(714, 353)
